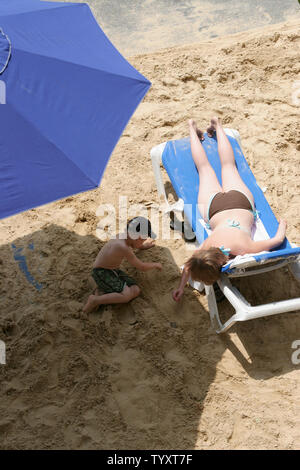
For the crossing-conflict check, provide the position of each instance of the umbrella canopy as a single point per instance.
(69, 96)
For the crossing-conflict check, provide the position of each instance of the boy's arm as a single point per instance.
(178, 293)
(147, 244)
(140, 265)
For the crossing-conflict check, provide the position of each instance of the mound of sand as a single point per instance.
(153, 374)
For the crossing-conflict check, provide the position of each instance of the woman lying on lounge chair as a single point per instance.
(228, 210)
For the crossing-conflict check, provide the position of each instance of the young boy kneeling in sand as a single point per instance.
(117, 287)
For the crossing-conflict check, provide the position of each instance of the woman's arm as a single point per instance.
(267, 245)
(178, 293)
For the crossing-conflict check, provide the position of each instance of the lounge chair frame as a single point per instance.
(243, 309)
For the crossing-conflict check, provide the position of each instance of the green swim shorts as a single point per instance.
(111, 280)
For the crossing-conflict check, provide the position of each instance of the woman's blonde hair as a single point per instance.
(205, 265)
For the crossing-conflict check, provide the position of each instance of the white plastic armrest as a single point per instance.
(198, 285)
(178, 206)
(235, 134)
(156, 154)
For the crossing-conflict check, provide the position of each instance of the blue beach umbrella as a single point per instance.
(69, 95)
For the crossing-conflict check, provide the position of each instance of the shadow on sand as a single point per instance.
(131, 377)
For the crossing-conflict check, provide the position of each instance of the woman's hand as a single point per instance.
(281, 231)
(177, 294)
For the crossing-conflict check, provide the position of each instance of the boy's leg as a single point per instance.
(125, 296)
(230, 175)
(208, 181)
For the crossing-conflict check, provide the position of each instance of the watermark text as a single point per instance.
(2, 92)
(296, 354)
(2, 352)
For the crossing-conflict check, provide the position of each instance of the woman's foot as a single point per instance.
(199, 133)
(213, 126)
(91, 304)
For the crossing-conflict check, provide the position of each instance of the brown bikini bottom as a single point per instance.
(232, 199)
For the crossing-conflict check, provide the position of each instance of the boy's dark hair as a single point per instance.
(140, 227)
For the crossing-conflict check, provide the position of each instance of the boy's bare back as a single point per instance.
(112, 254)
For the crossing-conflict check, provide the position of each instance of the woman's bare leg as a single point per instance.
(208, 181)
(230, 175)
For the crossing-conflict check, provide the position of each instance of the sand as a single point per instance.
(153, 374)
(168, 23)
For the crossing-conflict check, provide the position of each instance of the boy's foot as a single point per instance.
(91, 304)
(199, 133)
(213, 126)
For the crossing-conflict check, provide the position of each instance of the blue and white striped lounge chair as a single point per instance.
(177, 160)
